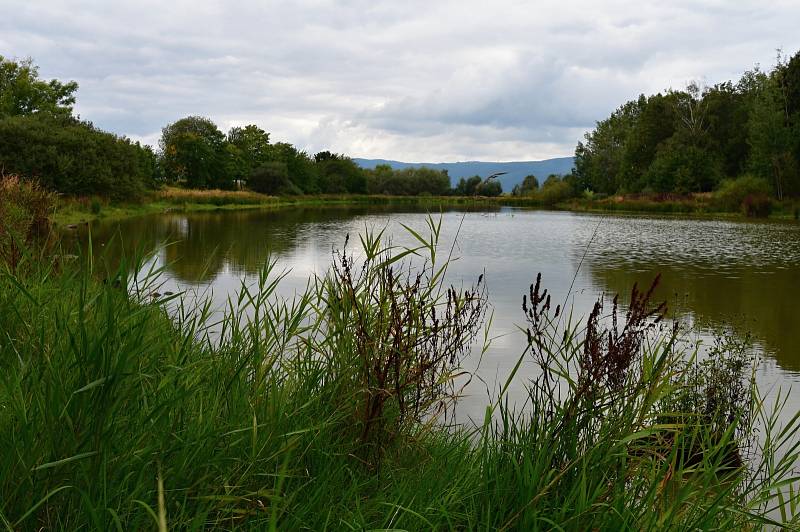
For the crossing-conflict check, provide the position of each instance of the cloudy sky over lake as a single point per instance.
(407, 80)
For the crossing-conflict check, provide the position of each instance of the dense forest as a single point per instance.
(41, 138)
(744, 134)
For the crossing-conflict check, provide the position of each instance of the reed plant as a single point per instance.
(179, 196)
(124, 409)
(25, 212)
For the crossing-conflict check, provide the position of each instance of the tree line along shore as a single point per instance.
(730, 148)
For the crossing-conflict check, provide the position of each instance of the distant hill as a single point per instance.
(517, 170)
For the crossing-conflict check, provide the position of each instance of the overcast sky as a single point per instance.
(408, 80)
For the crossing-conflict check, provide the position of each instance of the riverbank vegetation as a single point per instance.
(75, 210)
(739, 141)
(730, 148)
(122, 407)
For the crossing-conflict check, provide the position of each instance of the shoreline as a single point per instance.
(73, 211)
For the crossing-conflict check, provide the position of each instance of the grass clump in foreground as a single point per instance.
(328, 411)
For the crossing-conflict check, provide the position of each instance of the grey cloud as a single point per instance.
(405, 80)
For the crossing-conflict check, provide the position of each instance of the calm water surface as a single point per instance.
(715, 274)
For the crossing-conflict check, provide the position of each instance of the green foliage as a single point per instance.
(339, 174)
(774, 136)
(270, 178)
(96, 206)
(303, 172)
(193, 151)
(682, 168)
(727, 115)
(687, 141)
(247, 148)
(476, 186)
(555, 190)
(467, 187)
(489, 187)
(654, 124)
(74, 157)
(23, 93)
(383, 179)
(598, 162)
(408, 181)
(528, 186)
(253, 143)
(40, 139)
(403, 337)
(732, 192)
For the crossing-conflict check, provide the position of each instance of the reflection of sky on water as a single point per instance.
(713, 272)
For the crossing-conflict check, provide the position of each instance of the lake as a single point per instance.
(744, 276)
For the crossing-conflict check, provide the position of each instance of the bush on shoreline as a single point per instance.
(74, 157)
(733, 194)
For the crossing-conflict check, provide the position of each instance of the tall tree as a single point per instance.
(770, 137)
(654, 124)
(467, 187)
(528, 186)
(23, 93)
(728, 111)
(339, 174)
(252, 142)
(599, 160)
(303, 173)
(193, 150)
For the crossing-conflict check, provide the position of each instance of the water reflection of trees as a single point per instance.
(762, 301)
(200, 245)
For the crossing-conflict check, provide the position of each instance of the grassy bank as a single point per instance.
(695, 206)
(126, 409)
(80, 210)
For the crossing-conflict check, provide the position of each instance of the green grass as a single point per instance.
(116, 413)
(781, 210)
(73, 211)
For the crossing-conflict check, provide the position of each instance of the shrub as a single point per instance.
(96, 206)
(406, 338)
(682, 169)
(731, 194)
(339, 174)
(528, 186)
(554, 191)
(407, 182)
(490, 188)
(756, 206)
(74, 157)
(270, 178)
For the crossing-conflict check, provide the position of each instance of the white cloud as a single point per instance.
(413, 80)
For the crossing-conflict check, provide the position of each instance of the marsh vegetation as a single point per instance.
(125, 408)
